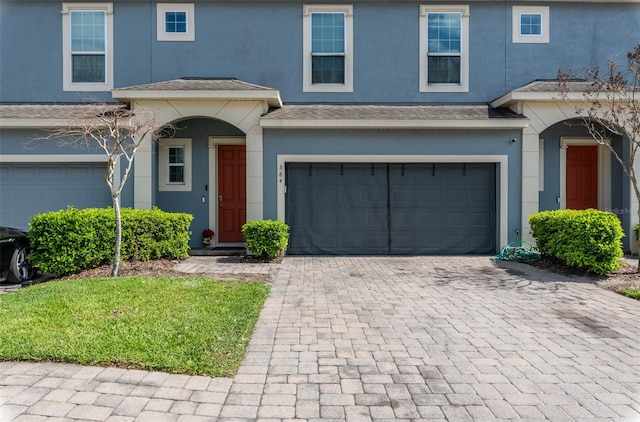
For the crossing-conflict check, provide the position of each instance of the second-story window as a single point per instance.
(444, 49)
(328, 48)
(88, 46)
(175, 22)
(87, 38)
(530, 24)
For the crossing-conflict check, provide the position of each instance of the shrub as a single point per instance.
(266, 237)
(72, 240)
(590, 240)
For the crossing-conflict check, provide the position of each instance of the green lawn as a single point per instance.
(189, 325)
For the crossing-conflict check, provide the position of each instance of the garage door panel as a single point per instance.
(29, 189)
(391, 208)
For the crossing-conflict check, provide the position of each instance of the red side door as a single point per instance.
(582, 177)
(232, 192)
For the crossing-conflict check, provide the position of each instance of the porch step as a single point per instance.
(226, 251)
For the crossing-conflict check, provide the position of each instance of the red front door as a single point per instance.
(232, 189)
(582, 177)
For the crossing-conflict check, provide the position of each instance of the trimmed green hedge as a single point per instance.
(266, 237)
(590, 240)
(72, 240)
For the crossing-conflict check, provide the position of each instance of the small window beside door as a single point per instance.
(174, 165)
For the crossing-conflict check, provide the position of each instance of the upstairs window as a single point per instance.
(175, 22)
(444, 51)
(530, 24)
(87, 46)
(328, 41)
(327, 48)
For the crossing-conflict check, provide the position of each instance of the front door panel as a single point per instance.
(582, 177)
(232, 189)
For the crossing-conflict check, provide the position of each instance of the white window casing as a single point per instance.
(164, 184)
(518, 37)
(308, 86)
(67, 67)
(463, 85)
(162, 35)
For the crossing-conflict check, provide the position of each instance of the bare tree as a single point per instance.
(118, 132)
(609, 103)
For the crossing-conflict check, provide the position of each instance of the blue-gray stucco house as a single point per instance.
(369, 126)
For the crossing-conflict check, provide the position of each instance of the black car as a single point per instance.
(14, 256)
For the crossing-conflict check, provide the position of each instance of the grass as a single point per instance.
(635, 294)
(189, 325)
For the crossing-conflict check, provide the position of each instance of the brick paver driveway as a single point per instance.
(386, 338)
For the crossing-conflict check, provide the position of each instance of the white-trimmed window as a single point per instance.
(327, 48)
(530, 24)
(175, 22)
(87, 46)
(174, 164)
(444, 48)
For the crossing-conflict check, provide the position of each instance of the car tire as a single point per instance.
(20, 268)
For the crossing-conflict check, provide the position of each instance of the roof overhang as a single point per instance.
(13, 116)
(341, 116)
(543, 91)
(200, 89)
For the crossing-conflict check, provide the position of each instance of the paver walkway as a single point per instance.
(382, 338)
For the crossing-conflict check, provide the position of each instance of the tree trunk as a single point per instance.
(116, 255)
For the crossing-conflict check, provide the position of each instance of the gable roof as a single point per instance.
(199, 89)
(543, 90)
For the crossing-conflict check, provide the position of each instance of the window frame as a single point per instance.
(518, 37)
(307, 56)
(463, 85)
(67, 53)
(162, 35)
(172, 165)
(164, 145)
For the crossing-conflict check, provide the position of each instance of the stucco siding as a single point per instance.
(389, 143)
(262, 43)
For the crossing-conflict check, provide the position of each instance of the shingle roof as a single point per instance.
(54, 111)
(198, 84)
(552, 86)
(388, 112)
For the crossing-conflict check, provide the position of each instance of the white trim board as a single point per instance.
(501, 160)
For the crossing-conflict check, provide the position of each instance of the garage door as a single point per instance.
(380, 209)
(27, 189)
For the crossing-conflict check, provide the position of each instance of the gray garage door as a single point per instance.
(27, 189)
(380, 209)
